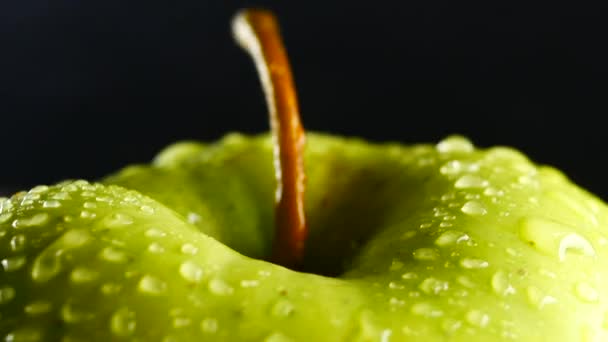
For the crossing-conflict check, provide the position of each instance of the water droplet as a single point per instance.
(112, 254)
(118, 220)
(472, 263)
(123, 322)
(7, 294)
(62, 196)
(71, 313)
(426, 310)
(24, 335)
(189, 248)
(455, 143)
(83, 275)
(147, 209)
(538, 299)
(586, 292)
(433, 286)
(5, 217)
(282, 308)
(90, 205)
(156, 247)
(471, 181)
(277, 337)
(219, 287)
(574, 243)
(74, 238)
(110, 288)
(478, 318)
(396, 302)
(395, 286)
(151, 285)
(426, 254)
(474, 208)
(47, 265)
(554, 238)
(181, 322)
(501, 285)
(409, 275)
(38, 308)
(450, 325)
(17, 242)
(32, 221)
(191, 271)
(396, 265)
(193, 218)
(155, 233)
(51, 204)
(209, 325)
(451, 237)
(454, 167)
(13, 263)
(249, 283)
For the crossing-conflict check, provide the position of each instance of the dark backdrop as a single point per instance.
(87, 87)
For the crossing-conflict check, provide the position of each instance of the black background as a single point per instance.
(87, 87)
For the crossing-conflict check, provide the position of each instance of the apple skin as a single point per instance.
(427, 242)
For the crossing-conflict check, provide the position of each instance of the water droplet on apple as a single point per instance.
(18, 242)
(277, 337)
(451, 237)
(478, 318)
(32, 221)
(426, 254)
(7, 294)
(189, 248)
(123, 322)
(245, 283)
(396, 302)
(282, 308)
(61, 195)
(450, 325)
(38, 308)
(426, 310)
(5, 217)
(193, 218)
(156, 247)
(472, 263)
(191, 271)
(47, 265)
(111, 254)
(501, 284)
(72, 313)
(219, 287)
(90, 205)
(474, 208)
(13, 263)
(83, 275)
(537, 298)
(181, 322)
(395, 286)
(51, 204)
(470, 181)
(146, 209)
(409, 275)
(433, 286)
(452, 144)
(466, 281)
(118, 220)
(110, 288)
(586, 292)
(574, 243)
(155, 233)
(28, 334)
(209, 325)
(152, 285)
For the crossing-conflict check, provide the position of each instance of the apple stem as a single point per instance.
(257, 32)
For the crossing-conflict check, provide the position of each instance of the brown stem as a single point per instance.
(257, 31)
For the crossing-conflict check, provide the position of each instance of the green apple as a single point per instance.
(428, 242)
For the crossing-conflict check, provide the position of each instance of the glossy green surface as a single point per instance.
(425, 243)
